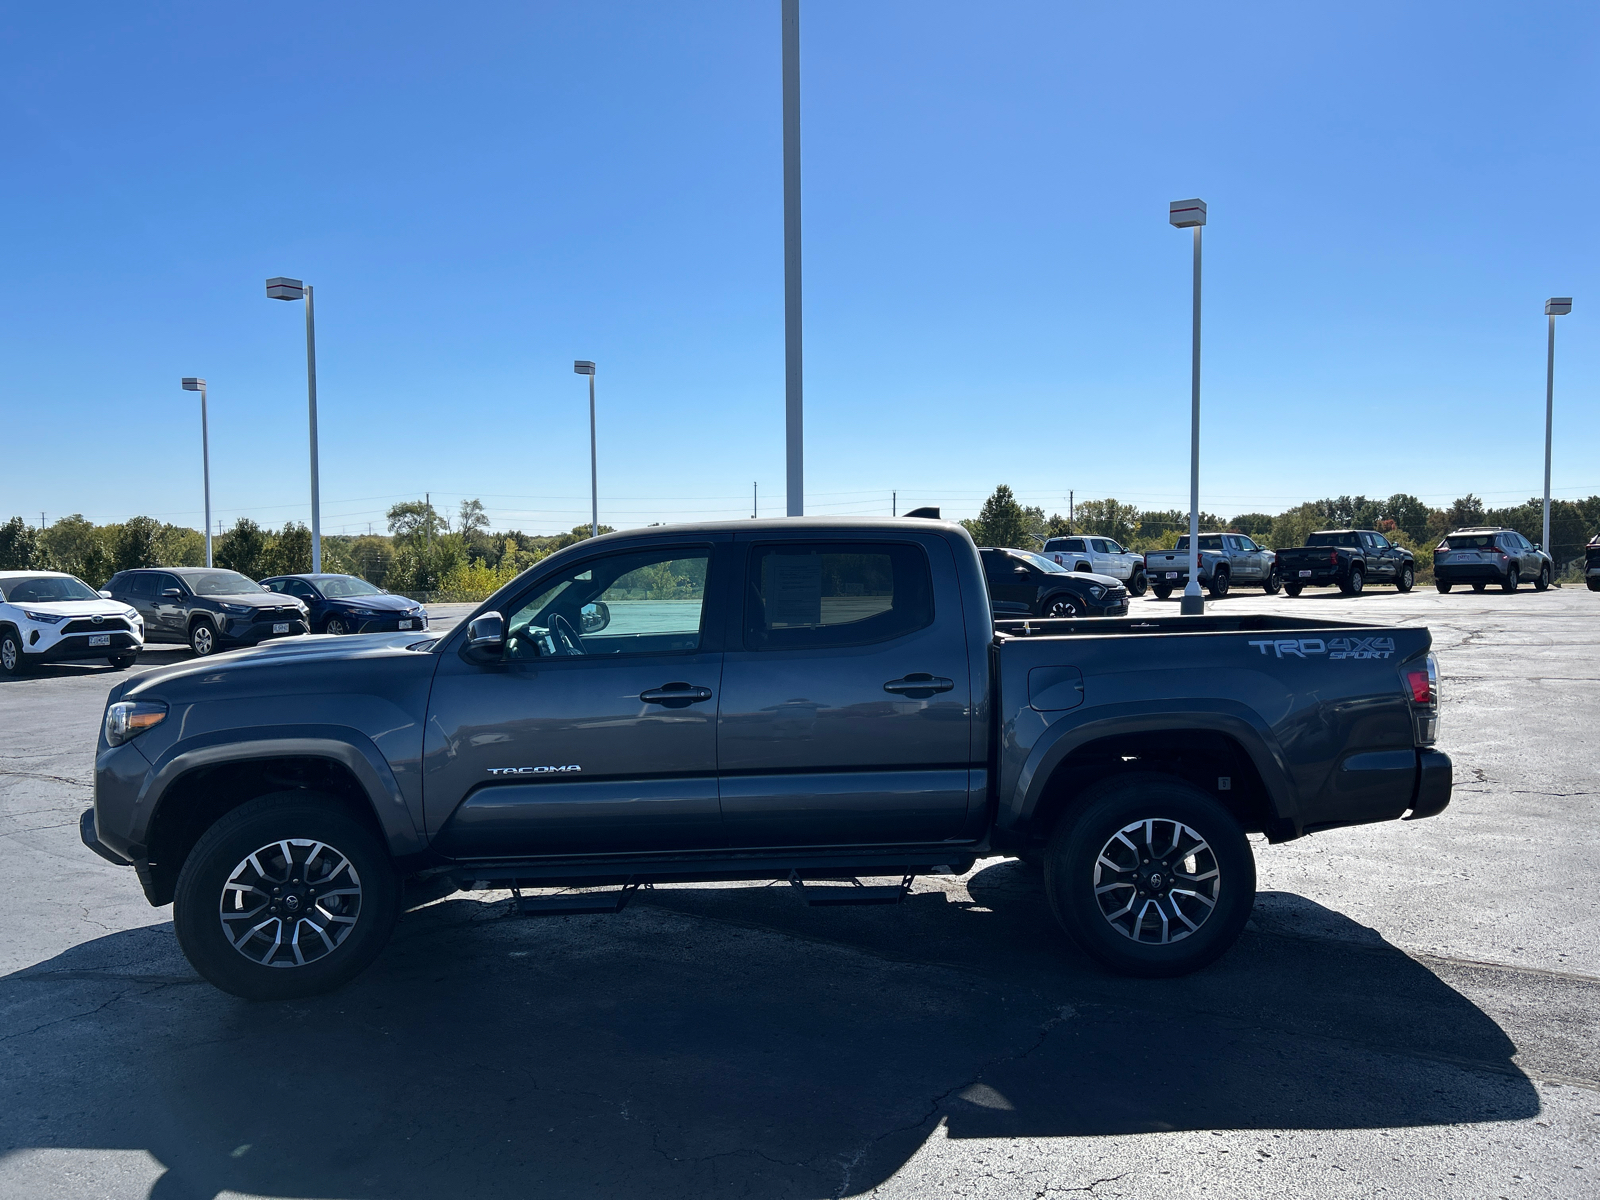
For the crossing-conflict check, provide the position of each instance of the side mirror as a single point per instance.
(105, 595)
(594, 616)
(172, 594)
(486, 638)
(1023, 571)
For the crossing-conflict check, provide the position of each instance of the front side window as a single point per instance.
(166, 583)
(648, 602)
(1247, 544)
(299, 589)
(801, 596)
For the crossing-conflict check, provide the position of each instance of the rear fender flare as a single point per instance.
(1234, 720)
(348, 747)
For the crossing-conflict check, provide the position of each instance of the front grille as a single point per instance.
(263, 615)
(85, 625)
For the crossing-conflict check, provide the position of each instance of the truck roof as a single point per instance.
(782, 524)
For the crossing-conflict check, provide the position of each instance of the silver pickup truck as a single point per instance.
(1225, 559)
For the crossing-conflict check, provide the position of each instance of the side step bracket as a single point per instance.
(572, 904)
(855, 892)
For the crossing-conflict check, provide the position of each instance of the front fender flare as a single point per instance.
(1230, 718)
(349, 747)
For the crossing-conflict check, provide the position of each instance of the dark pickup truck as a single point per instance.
(1348, 559)
(801, 700)
(1591, 564)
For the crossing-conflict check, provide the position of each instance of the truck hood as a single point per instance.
(309, 652)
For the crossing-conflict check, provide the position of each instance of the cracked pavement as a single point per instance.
(1413, 1011)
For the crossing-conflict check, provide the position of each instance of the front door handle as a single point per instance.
(919, 685)
(675, 695)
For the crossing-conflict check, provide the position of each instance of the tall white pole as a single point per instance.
(1549, 415)
(316, 478)
(794, 371)
(594, 470)
(205, 459)
(1193, 602)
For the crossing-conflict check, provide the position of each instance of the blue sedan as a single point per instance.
(349, 604)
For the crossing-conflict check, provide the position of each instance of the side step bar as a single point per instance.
(572, 905)
(855, 892)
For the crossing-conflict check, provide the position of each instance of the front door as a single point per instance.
(596, 729)
(1012, 592)
(171, 612)
(846, 713)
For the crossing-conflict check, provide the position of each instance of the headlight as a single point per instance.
(240, 610)
(133, 615)
(43, 618)
(1096, 591)
(127, 719)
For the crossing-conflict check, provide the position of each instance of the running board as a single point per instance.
(855, 892)
(572, 905)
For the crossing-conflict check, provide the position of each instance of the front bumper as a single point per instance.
(74, 646)
(244, 631)
(390, 623)
(91, 839)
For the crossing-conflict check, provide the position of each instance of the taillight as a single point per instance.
(1333, 557)
(1422, 689)
(1421, 684)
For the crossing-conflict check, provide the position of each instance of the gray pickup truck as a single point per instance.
(802, 700)
(1225, 559)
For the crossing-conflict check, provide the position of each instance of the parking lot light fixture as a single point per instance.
(1191, 214)
(585, 367)
(283, 288)
(1556, 306)
(191, 384)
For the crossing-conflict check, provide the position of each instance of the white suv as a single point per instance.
(46, 616)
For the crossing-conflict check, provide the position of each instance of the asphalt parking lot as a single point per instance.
(1414, 1010)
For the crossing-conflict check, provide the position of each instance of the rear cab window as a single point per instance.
(813, 595)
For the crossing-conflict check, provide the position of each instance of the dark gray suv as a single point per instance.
(1481, 555)
(209, 608)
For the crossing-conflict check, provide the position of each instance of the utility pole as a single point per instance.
(755, 499)
(427, 518)
(794, 361)
(1071, 516)
(41, 521)
(894, 504)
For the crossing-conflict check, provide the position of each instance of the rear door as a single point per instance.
(595, 732)
(846, 714)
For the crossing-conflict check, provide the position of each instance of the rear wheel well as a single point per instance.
(1201, 757)
(196, 800)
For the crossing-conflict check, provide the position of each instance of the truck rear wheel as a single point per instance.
(1163, 591)
(1219, 583)
(1354, 582)
(1442, 586)
(285, 897)
(1152, 877)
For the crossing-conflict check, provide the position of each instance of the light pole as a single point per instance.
(191, 384)
(584, 367)
(1556, 306)
(1191, 214)
(282, 288)
(793, 360)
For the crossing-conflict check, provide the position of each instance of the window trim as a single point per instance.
(864, 545)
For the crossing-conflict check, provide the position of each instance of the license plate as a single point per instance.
(280, 627)
(405, 624)
(1305, 574)
(1172, 574)
(99, 639)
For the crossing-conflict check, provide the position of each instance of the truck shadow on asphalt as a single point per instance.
(713, 1041)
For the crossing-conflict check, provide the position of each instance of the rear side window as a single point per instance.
(805, 596)
(142, 584)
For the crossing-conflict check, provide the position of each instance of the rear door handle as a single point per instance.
(919, 685)
(675, 695)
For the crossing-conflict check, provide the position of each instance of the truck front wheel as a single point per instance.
(1151, 877)
(284, 897)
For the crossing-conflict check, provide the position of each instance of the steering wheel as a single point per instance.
(566, 636)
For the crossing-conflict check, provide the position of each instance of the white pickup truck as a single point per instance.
(1099, 556)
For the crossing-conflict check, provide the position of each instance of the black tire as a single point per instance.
(1542, 584)
(1594, 584)
(253, 832)
(1443, 587)
(1163, 591)
(1218, 587)
(1139, 584)
(121, 662)
(1294, 589)
(336, 626)
(1061, 607)
(1117, 809)
(1478, 587)
(1512, 580)
(13, 661)
(1273, 581)
(1354, 582)
(203, 638)
(1407, 579)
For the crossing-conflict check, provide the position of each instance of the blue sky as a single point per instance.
(482, 193)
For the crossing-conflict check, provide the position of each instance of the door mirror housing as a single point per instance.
(105, 595)
(172, 594)
(1023, 571)
(486, 638)
(594, 616)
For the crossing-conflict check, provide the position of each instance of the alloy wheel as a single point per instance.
(290, 903)
(1156, 881)
(1061, 607)
(203, 640)
(8, 653)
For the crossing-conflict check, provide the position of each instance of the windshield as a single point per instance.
(338, 587)
(46, 589)
(1208, 541)
(221, 583)
(1349, 540)
(1041, 562)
